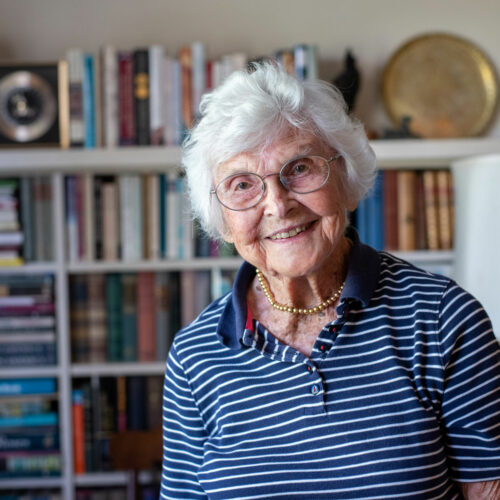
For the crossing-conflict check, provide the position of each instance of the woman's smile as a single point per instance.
(286, 234)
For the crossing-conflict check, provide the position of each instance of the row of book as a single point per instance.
(408, 210)
(144, 96)
(133, 316)
(106, 408)
(26, 217)
(29, 428)
(132, 217)
(27, 320)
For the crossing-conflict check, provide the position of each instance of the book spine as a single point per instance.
(431, 215)
(97, 318)
(390, 210)
(75, 78)
(110, 220)
(89, 102)
(126, 98)
(114, 317)
(28, 354)
(78, 419)
(198, 76)
(10, 387)
(110, 96)
(40, 439)
(406, 210)
(146, 341)
(129, 317)
(141, 96)
(156, 91)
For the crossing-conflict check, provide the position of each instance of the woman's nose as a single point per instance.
(277, 197)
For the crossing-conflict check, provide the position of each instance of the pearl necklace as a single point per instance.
(295, 310)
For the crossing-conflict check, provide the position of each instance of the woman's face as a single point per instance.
(318, 218)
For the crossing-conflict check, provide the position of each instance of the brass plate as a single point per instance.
(444, 83)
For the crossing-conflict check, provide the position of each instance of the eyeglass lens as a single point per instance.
(301, 175)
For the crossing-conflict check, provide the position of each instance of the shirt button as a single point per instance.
(314, 389)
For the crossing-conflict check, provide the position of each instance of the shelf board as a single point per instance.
(117, 369)
(391, 153)
(155, 265)
(114, 478)
(125, 159)
(33, 371)
(429, 153)
(30, 268)
(426, 256)
(31, 483)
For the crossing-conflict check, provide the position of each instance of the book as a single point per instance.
(141, 97)
(78, 421)
(146, 331)
(156, 93)
(131, 218)
(431, 213)
(163, 331)
(114, 316)
(198, 60)
(10, 387)
(126, 117)
(129, 317)
(89, 102)
(186, 67)
(406, 210)
(443, 179)
(110, 117)
(110, 219)
(74, 58)
(97, 325)
(390, 196)
(79, 319)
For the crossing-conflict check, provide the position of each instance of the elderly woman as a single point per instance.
(331, 370)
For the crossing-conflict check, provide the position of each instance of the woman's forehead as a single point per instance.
(278, 152)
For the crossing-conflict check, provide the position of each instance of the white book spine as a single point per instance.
(110, 96)
(156, 94)
(199, 73)
(172, 217)
(74, 58)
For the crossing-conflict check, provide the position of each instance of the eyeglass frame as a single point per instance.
(328, 161)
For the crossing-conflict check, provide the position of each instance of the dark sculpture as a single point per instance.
(348, 80)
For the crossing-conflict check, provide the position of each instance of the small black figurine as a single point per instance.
(403, 132)
(348, 80)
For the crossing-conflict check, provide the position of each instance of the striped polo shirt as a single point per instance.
(399, 398)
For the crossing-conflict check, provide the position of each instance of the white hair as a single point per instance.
(256, 108)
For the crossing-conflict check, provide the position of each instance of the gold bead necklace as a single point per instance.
(295, 310)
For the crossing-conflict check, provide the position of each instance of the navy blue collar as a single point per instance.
(362, 277)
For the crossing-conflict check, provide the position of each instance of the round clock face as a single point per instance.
(444, 85)
(28, 106)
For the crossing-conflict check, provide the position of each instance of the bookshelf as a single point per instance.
(56, 164)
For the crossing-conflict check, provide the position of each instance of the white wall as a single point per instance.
(43, 29)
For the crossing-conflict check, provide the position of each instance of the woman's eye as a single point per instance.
(300, 168)
(242, 186)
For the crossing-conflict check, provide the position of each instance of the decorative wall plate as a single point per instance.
(445, 84)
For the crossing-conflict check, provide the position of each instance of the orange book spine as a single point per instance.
(406, 210)
(444, 209)
(78, 433)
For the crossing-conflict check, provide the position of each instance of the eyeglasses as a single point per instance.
(302, 175)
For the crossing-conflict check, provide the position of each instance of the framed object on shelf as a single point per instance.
(444, 85)
(34, 104)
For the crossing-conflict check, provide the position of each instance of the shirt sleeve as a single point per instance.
(471, 396)
(183, 436)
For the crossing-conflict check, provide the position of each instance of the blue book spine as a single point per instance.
(29, 420)
(89, 101)
(376, 214)
(163, 219)
(9, 387)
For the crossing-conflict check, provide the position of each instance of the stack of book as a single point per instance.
(29, 429)
(132, 217)
(133, 316)
(408, 210)
(104, 407)
(27, 320)
(11, 236)
(144, 96)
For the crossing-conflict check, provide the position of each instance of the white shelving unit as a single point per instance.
(57, 163)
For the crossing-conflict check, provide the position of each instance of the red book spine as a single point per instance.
(126, 98)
